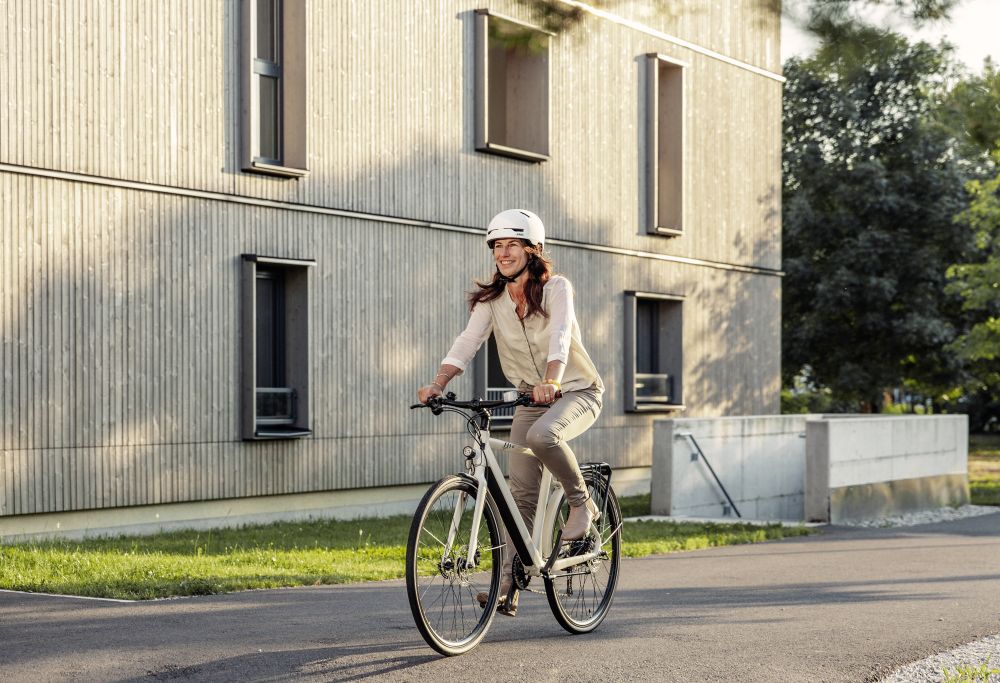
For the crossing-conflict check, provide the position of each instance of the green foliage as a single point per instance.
(976, 283)
(826, 18)
(973, 107)
(553, 15)
(281, 554)
(971, 673)
(647, 537)
(984, 469)
(984, 492)
(635, 506)
(872, 181)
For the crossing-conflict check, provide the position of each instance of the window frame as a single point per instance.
(289, 73)
(674, 368)
(666, 143)
(484, 142)
(294, 274)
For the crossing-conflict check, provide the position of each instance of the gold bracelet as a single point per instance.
(553, 383)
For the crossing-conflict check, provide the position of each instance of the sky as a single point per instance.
(973, 30)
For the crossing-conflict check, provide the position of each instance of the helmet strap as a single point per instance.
(505, 279)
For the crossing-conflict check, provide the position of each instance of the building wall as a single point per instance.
(124, 215)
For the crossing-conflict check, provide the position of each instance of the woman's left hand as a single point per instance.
(544, 393)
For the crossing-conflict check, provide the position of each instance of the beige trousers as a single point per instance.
(545, 431)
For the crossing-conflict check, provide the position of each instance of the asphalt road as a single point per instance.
(848, 605)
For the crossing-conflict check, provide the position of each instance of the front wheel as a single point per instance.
(581, 598)
(442, 585)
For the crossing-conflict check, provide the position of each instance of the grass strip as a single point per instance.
(984, 491)
(285, 554)
(984, 469)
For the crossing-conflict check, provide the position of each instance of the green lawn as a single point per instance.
(984, 469)
(284, 554)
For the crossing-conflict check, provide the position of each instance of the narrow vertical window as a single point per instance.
(654, 362)
(275, 347)
(665, 114)
(512, 88)
(267, 78)
(274, 92)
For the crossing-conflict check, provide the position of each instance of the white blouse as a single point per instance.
(527, 346)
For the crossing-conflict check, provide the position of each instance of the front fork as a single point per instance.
(477, 518)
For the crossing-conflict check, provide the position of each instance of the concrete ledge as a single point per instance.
(151, 519)
(213, 514)
(887, 498)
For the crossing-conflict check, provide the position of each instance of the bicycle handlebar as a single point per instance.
(437, 403)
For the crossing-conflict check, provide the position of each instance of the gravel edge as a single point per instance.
(932, 668)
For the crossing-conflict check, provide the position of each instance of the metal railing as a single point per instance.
(700, 453)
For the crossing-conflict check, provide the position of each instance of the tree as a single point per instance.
(826, 18)
(973, 108)
(977, 283)
(871, 184)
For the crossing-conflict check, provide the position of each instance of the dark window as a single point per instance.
(274, 87)
(490, 382)
(495, 379)
(275, 348)
(270, 329)
(267, 74)
(646, 325)
(654, 351)
(512, 88)
(665, 112)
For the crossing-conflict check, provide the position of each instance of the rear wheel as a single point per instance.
(581, 598)
(442, 587)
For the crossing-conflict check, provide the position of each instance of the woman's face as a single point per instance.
(510, 255)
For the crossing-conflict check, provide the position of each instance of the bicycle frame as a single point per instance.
(533, 548)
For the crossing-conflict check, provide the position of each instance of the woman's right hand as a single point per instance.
(426, 392)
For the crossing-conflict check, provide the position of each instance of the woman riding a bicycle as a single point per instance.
(529, 310)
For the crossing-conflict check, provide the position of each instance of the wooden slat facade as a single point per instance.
(124, 213)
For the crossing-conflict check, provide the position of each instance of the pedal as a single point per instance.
(581, 547)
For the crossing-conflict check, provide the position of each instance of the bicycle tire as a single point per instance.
(580, 602)
(442, 594)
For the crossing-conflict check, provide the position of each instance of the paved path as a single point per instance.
(847, 605)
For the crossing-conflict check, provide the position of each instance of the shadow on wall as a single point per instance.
(122, 356)
(741, 364)
(120, 382)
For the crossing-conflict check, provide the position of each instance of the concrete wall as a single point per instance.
(760, 460)
(822, 468)
(869, 467)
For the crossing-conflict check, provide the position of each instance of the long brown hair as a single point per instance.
(539, 271)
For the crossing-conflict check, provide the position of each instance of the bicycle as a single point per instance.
(455, 548)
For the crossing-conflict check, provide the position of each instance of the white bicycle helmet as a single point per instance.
(518, 224)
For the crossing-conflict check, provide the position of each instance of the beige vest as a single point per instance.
(523, 347)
